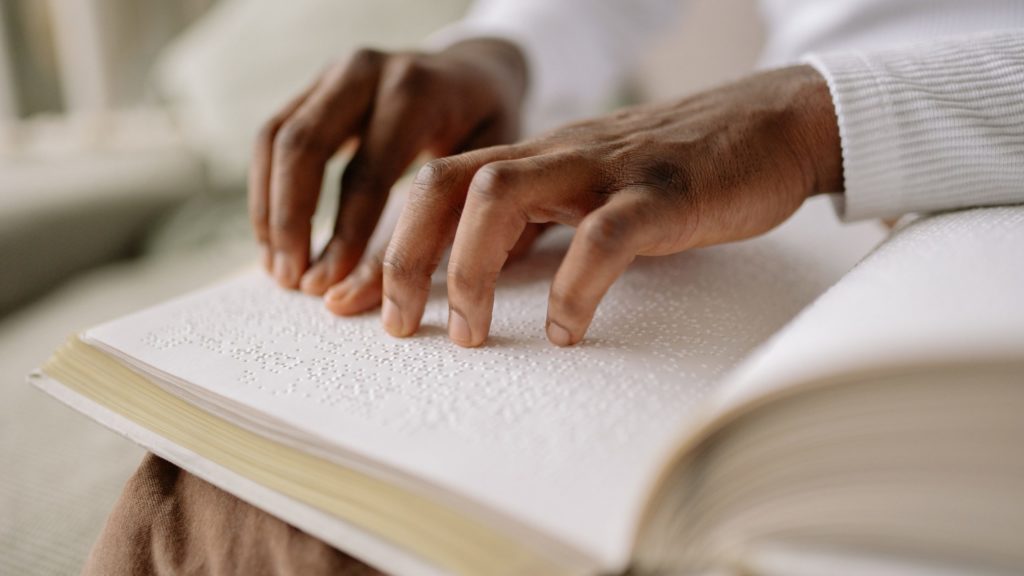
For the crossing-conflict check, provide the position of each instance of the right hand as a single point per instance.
(395, 106)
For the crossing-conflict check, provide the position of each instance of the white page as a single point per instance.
(562, 441)
(944, 289)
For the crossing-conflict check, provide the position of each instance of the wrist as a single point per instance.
(816, 133)
(500, 60)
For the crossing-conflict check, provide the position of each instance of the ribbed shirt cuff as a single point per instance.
(930, 127)
(871, 169)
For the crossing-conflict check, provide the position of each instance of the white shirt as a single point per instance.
(929, 93)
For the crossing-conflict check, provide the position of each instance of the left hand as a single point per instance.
(390, 107)
(721, 166)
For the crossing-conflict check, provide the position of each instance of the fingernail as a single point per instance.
(391, 316)
(308, 284)
(286, 269)
(313, 280)
(458, 328)
(340, 290)
(559, 336)
(352, 297)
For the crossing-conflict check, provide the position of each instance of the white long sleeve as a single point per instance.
(935, 126)
(578, 52)
(932, 126)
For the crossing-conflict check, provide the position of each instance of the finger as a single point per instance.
(359, 291)
(604, 245)
(362, 289)
(502, 199)
(305, 142)
(398, 131)
(425, 229)
(493, 133)
(259, 174)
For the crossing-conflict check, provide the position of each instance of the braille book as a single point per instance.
(767, 407)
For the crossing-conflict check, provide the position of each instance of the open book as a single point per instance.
(728, 411)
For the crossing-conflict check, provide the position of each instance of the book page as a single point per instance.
(945, 289)
(562, 442)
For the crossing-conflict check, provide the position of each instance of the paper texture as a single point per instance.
(945, 289)
(561, 442)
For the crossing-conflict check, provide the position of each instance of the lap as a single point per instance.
(168, 521)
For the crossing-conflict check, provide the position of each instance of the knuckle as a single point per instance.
(606, 232)
(435, 174)
(406, 75)
(298, 136)
(467, 284)
(492, 181)
(364, 59)
(395, 267)
(402, 270)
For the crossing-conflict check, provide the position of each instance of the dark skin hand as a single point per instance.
(720, 166)
(392, 107)
(717, 167)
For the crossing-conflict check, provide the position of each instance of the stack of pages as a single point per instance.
(764, 407)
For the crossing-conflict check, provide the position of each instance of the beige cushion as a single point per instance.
(233, 69)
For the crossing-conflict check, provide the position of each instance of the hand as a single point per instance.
(724, 165)
(361, 289)
(395, 106)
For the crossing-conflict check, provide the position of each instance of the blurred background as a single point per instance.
(125, 132)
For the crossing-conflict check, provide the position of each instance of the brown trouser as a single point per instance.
(168, 521)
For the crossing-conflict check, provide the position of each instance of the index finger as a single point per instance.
(503, 198)
(425, 229)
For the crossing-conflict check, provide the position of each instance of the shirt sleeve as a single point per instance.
(578, 52)
(935, 126)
